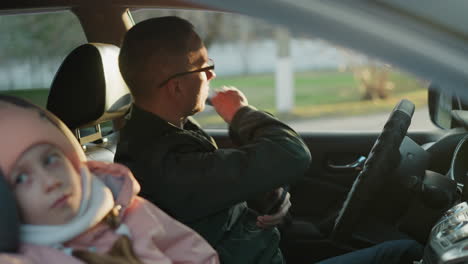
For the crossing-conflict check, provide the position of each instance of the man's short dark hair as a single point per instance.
(150, 46)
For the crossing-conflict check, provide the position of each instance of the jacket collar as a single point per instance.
(155, 124)
(123, 188)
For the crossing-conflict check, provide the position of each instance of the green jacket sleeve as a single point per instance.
(198, 183)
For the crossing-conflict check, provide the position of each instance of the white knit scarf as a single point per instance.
(96, 203)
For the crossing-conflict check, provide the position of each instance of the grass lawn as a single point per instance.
(37, 96)
(311, 88)
(317, 94)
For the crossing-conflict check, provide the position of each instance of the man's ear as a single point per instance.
(174, 88)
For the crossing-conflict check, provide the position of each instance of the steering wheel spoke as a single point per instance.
(383, 158)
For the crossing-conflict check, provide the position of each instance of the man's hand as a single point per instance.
(269, 221)
(228, 101)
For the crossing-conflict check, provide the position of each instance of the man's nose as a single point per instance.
(50, 182)
(210, 74)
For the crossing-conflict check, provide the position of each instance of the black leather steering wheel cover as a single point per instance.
(383, 158)
(9, 220)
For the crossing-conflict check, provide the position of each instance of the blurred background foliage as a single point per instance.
(33, 46)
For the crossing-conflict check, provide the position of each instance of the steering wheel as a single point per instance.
(383, 158)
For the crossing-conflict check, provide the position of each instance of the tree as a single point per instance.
(40, 36)
(372, 76)
(373, 81)
(33, 45)
(208, 24)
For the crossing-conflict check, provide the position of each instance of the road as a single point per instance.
(420, 121)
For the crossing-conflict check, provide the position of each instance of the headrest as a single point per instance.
(88, 88)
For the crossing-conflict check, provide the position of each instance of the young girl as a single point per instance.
(74, 211)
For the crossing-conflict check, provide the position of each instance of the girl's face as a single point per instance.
(46, 185)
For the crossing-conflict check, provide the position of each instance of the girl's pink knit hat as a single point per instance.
(23, 125)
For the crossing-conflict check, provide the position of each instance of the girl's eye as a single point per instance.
(51, 158)
(21, 178)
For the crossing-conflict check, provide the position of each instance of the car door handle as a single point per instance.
(353, 166)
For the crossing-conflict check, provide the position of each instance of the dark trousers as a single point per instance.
(390, 252)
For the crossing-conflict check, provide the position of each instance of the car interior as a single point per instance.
(361, 189)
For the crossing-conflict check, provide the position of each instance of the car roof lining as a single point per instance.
(34, 6)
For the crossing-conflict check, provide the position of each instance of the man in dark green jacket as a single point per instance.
(180, 167)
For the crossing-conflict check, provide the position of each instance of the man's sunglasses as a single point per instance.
(210, 67)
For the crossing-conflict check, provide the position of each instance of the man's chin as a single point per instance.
(198, 109)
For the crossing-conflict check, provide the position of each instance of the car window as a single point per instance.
(320, 86)
(32, 47)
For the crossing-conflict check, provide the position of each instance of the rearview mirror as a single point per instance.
(440, 106)
(446, 109)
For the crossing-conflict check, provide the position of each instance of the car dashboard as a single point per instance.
(448, 239)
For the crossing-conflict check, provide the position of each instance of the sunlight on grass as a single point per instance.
(419, 98)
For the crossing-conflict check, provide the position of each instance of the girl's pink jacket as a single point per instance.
(156, 237)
